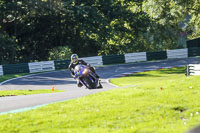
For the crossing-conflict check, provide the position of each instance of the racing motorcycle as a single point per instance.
(87, 77)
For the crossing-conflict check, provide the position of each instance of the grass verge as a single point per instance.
(164, 102)
(10, 76)
(4, 93)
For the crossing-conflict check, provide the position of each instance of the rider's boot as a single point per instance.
(79, 84)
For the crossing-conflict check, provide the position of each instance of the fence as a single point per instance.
(100, 60)
(134, 57)
(193, 69)
(61, 64)
(113, 59)
(156, 55)
(41, 66)
(177, 53)
(94, 61)
(193, 52)
(15, 68)
(1, 70)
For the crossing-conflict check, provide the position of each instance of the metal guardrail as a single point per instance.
(158, 55)
(192, 52)
(94, 60)
(113, 59)
(100, 60)
(15, 68)
(193, 69)
(61, 64)
(1, 70)
(134, 57)
(177, 53)
(41, 66)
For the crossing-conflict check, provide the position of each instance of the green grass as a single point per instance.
(10, 76)
(164, 101)
(4, 93)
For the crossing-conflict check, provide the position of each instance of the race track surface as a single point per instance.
(63, 81)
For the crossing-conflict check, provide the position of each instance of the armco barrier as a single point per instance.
(15, 68)
(94, 61)
(134, 57)
(1, 70)
(113, 59)
(195, 51)
(99, 60)
(41, 66)
(160, 55)
(193, 69)
(193, 43)
(61, 64)
(177, 53)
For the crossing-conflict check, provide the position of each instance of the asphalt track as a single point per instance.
(63, 81)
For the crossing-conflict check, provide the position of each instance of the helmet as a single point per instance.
(74, 56)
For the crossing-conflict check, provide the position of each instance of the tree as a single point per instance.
(8, 49)
(60, 53)
(175, 18)
(97, 27)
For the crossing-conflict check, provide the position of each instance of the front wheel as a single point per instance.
(89, 83)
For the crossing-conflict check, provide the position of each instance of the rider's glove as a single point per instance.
(76, 75)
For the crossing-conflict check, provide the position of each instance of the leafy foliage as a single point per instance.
(8, 48)
(97, 27)
(60, 53)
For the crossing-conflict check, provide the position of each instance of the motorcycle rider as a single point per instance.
(75, 61)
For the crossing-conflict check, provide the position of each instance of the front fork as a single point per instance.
(90, 76)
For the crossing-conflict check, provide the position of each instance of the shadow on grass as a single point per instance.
(160, 73)
(177, 70)
(143, 75)
(179, 108)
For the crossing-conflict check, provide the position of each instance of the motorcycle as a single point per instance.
(87, 77)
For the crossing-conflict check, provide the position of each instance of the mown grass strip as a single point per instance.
(10, 76)
(4, 93)
(165, 102)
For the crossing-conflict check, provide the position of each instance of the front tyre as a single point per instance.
(89, 83)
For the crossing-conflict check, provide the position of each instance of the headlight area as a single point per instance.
(85, 71)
